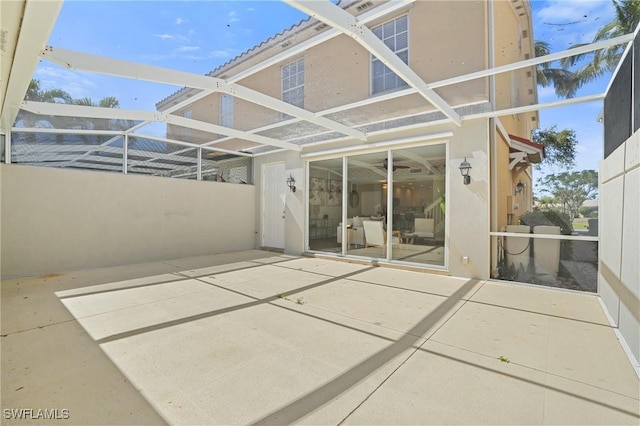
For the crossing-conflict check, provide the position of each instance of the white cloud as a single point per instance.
(180, 21)
(220, 53)
(77, 84)
(212, 55)
(166, 36)
(187, 48)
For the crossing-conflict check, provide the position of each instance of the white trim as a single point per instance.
(38, 20)
(635, 364)
(67, 131)
(544, 236)
(379, 146)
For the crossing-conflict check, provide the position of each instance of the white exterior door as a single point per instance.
(273, 205)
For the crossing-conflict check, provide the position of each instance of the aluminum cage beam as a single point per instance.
(38, 21)
(65, 110)
(116, 67)
(343, 21)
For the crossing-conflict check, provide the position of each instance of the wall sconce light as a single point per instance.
(464, 169)
(291, 183)
(519, 187)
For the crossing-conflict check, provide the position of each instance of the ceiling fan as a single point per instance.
(395, 167)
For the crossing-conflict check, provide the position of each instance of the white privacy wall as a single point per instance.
(56, 220)
(619, 217)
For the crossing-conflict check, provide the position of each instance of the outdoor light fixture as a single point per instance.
(519, 187)
(291, 183)
(464, 169)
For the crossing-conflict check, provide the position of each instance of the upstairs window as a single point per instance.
(395, 34)
(293, 83)
(226, 110)
(187, 131)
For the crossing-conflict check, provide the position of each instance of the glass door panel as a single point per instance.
(419, 204)
(325, 205)
(367, 205)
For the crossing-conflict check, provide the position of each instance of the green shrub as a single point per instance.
(550, 218)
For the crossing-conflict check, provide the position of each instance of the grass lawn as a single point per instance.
(581, 223)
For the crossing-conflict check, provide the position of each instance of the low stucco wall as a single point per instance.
(619, 223)
(55, 220)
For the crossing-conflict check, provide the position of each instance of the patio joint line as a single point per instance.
(215, 312)
(535, 369)
(304, 405)
(540, 313)
(379, 336)
(399, 288)
(181, 275)
(419, 348)
(38, 327)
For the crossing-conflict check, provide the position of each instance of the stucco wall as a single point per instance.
(56, 220)
(467, 205)
(619, 223)
(294, 201)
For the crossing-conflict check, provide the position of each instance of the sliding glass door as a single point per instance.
(393, 207)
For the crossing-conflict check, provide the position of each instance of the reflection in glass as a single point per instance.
(418, 218)
(568, 264)
(366, 224)
(325, 205)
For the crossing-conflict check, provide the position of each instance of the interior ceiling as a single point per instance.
(25, 29)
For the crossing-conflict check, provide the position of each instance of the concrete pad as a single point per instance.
(494, 331)
(60, 367)
(284, 284)
(224, 348)
(217, 363)
(564, 304)
(211, 270)
(325, 266)
(583, 352)
(196, 262)
(568, 401)
(394, 308)
(441, 384)
(95, 304)
(121, 285)
(412, 280)
(249, 274)
(154, 314)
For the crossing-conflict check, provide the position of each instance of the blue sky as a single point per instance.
(198, 36)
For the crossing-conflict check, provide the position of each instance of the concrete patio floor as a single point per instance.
(262, 338)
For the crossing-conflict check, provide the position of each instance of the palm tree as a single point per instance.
(35, 92)
(604, 60)
(562, 79)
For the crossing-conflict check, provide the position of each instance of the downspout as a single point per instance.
(492, 145)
